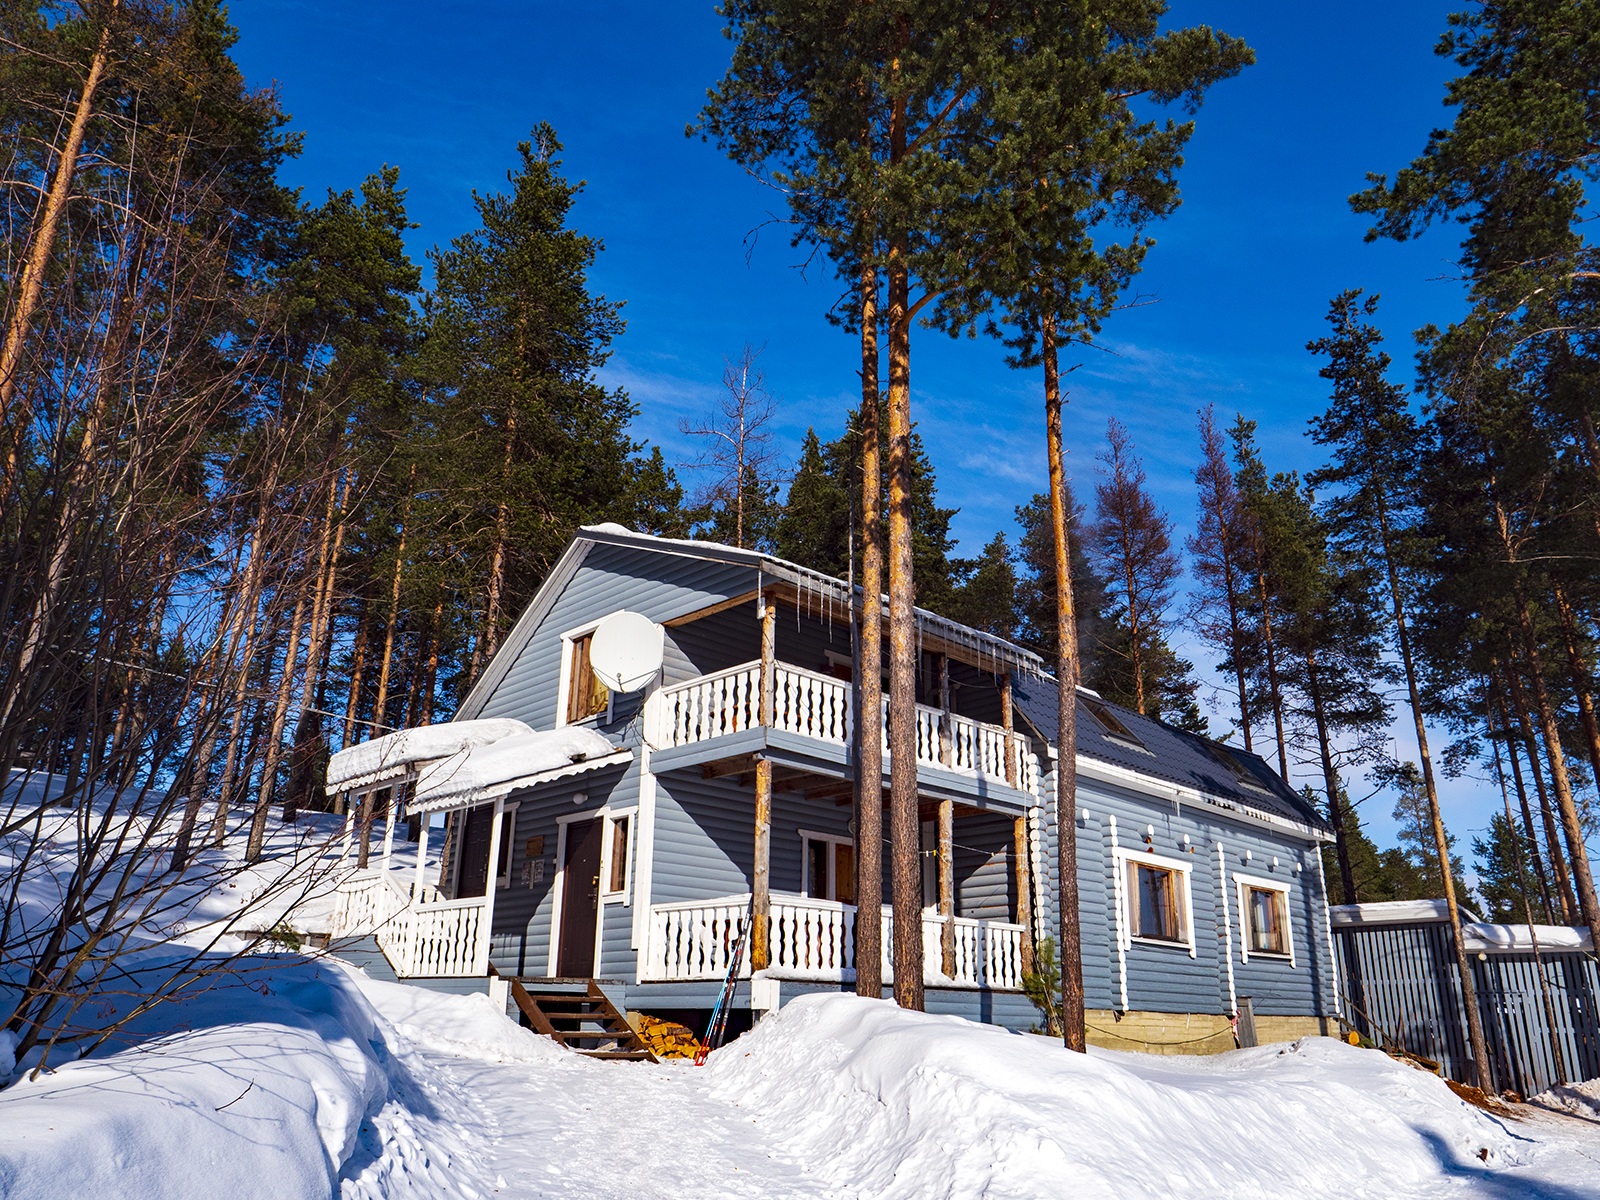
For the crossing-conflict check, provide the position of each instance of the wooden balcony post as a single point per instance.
(947, 887)
(1005, 722)
(1022, 858)
(769, 640)
(761, 876)
(944, 707)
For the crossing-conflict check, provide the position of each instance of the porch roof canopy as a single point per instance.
(830, 598)
(476, 774)
(399, 755)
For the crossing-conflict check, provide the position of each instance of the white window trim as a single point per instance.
(1184, 870)
(564, 684)
(611, 817)
(508, 837)
(833, 840)
(1243, 883)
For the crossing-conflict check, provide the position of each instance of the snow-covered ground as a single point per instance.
(288, 1077)
(311, 1079)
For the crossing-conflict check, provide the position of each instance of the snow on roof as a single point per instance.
(1518, 939)
(1475, 935)
(477, 773)
(398, 754)
(816, 584)
(1392, 912)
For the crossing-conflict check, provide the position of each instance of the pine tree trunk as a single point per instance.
(1066, 798)
(380, 706)
(869, 670)
(1497, 705)
(1558, 857)
(1330, 782)
(1580, 679)
(358, 656)
(1480, 1051)
(31, 283)
(280, 715)
(306, 733)
(904, 826)
(1272, 675)
(1578, 857)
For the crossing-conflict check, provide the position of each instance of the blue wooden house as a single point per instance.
(620, 850)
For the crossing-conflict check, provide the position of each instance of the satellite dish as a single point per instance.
(626, 651)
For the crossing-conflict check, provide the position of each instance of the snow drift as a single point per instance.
(899, 1104)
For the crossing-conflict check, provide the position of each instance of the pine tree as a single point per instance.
(1505, 886)
(1130, 546)
(986, 597)
(1219, 609)
(1036, 588)
(535, 445)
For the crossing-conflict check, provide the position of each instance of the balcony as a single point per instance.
(817, 707)
(813, 941)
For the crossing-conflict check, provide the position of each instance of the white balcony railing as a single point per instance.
(814, 941)
(818, 706)
(422, 935)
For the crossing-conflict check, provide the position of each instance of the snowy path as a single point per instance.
(635, 1131)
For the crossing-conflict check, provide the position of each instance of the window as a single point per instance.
(1266, 921)
(1264, 927)
(1109, 722)
(586, 695)
(827, 867)
(1154, 898)
(1157, 908)
(618, 879)
(508, 828)
(1240, 772)
(615, 860)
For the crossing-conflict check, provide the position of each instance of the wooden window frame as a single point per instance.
(569, 644)
(1244, 884)
(833, 840)
(1125, 859)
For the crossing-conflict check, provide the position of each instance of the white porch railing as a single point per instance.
(814, 941)
(421, 935)
(818, 706)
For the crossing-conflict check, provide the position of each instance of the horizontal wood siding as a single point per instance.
(984, 878)
(660, 586)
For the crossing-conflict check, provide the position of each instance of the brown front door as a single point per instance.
(580, 900)
(475, 838)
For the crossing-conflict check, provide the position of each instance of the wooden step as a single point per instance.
(570, 1011)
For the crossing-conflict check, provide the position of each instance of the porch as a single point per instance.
(813, 941)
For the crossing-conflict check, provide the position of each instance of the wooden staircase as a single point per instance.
(583, 1021)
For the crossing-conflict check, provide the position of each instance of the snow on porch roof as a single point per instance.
(479, 773)
(397, 755)
(824, 590)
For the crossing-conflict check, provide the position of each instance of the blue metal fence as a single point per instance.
(1400, 986)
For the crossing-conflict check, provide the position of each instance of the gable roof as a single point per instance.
(1224, 776)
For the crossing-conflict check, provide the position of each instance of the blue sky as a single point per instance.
(1239, 280)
